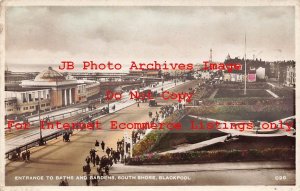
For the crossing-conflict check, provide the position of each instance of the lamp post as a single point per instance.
(107, 106)
(41, 142)
(245, 88)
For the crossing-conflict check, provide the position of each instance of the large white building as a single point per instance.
(50, 89)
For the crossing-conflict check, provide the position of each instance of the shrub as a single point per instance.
(215, 156)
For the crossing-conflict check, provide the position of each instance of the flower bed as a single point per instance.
(271, 154)
(153, 138)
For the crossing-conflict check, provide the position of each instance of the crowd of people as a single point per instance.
(102, 164)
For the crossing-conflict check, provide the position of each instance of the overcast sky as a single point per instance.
(37, 37)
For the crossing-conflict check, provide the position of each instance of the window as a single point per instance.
(24, 98)
(30, 97)
(25, 108)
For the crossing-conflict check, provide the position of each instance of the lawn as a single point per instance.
(188, 136)
(236, 93)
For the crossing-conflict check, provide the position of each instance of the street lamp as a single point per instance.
(108, 106)
(175, 77)
(245, 88)
(41, 142)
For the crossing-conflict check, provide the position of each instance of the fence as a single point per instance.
(12, 153)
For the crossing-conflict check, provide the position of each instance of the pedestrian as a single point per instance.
(88, 160)
(28, 155)
(88, 181)
(115, 157)
(18, 150)
(88, 169)
(97, 160)
(108, 151)
(102, 146)
(94, 161)
(94, 180)
(106, 170)
(138, 104)
(122, 154)
(24, 156)
(62, 183)
(100, 171)
(150, 114)
(93, 153)
(97, 143)
(118, 155)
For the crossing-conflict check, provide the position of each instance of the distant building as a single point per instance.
(205, 75)
(20, 100)
(261, 73)
(89, 89)
(17, 77)
(252, 75)
(227, 77)
(290, 76)
(146, 73)
(233, 77)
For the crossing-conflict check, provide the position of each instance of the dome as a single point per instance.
(49, 75)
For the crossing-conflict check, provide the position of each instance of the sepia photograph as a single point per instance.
(149, 95)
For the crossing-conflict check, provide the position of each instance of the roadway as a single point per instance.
(66, 158)
(18, 138)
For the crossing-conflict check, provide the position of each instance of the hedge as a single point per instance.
(271, 154)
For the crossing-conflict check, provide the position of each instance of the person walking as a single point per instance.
(88, 180)
(97, 160)
(102, 146)
(96, 143)
(108, 151)
(94, 161)
(88, 160)
(18, 150)
(24, 156)
(28, 155)
(94, 180)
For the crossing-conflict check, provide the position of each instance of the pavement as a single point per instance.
(213, 94)
(190, 147)
(272, 93)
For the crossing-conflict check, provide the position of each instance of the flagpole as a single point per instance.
(245, 88)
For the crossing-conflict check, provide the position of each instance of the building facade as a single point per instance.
(49, 90)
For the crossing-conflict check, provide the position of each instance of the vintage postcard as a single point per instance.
(137, 93)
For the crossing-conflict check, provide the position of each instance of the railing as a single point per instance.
(13, 152)
(63, 115)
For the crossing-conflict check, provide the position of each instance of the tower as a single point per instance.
(228, 57)
(210, 56)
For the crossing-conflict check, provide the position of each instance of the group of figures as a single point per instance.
(102, 163)
(18, 155)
